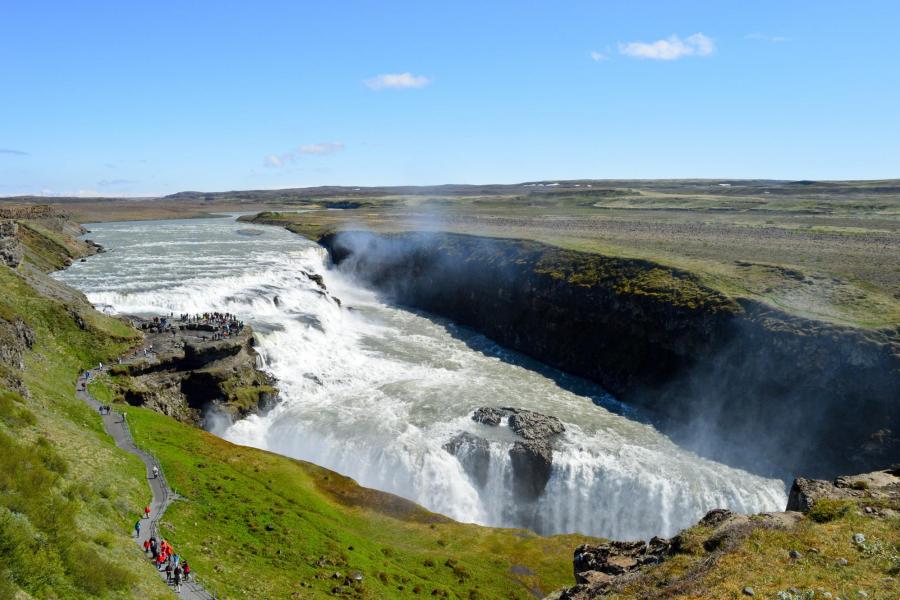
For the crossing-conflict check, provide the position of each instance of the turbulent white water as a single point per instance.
(374, 391)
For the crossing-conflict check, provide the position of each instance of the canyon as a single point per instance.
(736, 380)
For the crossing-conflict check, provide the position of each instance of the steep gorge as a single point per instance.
(721, 374)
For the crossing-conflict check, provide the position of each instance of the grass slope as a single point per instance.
(830, 561)
(258, 525)
(67, 495)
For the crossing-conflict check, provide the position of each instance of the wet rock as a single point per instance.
(473, 454)
(748, 591)
(795, 554)
(532, 463)
(859, 538)
(535, 426)
(489, 416)
(317, 279)
(532, 459)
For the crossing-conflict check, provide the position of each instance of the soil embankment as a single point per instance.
(734, 379)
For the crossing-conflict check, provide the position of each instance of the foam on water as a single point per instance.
(374, 391)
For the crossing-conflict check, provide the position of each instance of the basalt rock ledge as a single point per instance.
(719, 374)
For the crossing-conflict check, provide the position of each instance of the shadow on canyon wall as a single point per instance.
(737, 382)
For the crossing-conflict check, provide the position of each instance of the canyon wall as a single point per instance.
(735, 380)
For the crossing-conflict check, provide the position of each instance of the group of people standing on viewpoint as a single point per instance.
(163, 555)
(226, 324)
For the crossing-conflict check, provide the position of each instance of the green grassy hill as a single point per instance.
(67, 495)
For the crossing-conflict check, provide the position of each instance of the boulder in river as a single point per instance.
(532, 463)
(531, 458)
(473, 453)
(534, 426)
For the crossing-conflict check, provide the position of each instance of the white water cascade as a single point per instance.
(374, 391)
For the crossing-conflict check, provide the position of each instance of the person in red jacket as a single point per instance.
(147, 512)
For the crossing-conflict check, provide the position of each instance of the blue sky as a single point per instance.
(151, 98)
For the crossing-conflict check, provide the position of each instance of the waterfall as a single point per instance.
(375, 392)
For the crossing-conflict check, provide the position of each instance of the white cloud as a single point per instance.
(671, 48)
(598, 56)
(324, 148)
(397, 81)
(13, 152)
(320, 149)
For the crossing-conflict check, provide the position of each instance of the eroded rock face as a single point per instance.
(473, 453)
(189, 374)
(599, 567)
(15, 338)
(823, 396)
(531, 457)
(489, 415)
(10, 249)
(878, 484)
(534, 426)
(532, 464)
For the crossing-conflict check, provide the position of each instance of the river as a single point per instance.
(374, 391)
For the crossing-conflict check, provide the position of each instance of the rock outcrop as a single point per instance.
(719, 374)
(15, 338)
(10, 249)
(531, 457)
(881, 485)
(604, 569)
(190, 375)
(474, 455)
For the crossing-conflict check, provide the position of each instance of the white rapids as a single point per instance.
(373, 391)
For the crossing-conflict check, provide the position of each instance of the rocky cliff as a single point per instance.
(189, 374)
(10, 248)
(733, 379)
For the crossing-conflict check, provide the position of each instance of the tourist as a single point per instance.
(187, 570)
(169, 572)
(146, 546)
(137, 529)
(155, 471)
(177, 579)
(147, 512)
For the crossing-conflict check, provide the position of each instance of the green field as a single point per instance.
(826, 251)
